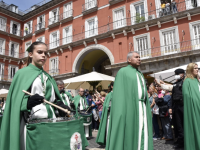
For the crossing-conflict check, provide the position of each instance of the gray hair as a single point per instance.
(130, 54)
(59, 82)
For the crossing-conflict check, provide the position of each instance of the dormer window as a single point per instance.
(13, 8)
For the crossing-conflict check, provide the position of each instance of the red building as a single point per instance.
(82, 34)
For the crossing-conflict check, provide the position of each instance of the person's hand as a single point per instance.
(161, 82)
(170, 111)
(61, 104)
(34, 100)
(156, 81)
(154, 96)
(62, 91)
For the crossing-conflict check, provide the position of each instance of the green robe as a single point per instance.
(15, 103)
(191, 99)
(69, 95)
(123, 131)
(101, 136)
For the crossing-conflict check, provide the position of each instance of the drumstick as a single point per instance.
(87, 110)
(65, 110)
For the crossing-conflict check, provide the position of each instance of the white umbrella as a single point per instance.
(168, 75)
(3, 92)
(82, 81)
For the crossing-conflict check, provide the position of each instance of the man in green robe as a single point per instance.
(130, 126)
(66, 96)
(80, 103)
(104, 124)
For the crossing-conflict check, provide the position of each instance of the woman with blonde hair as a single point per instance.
(191, 100)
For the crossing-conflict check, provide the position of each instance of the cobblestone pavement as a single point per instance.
(158, 144)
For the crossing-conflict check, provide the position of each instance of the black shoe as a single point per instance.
(178, 146)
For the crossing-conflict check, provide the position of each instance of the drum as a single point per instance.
(87, 116)
(59, 133)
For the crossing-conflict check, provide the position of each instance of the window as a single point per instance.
(169, 39)
(54, 39)
(40, 22)
(53, 16)
(41, 39)
(28, 28)
(53, 70)
(27, 45)
(195, 34)
(14, 49)
(139, 12)
(11, 71)
(119, 17)
(142, 45)
(13, 8)
(190, 4)
(15, 28)
(67, 34)
(2, 46)
(90, 4)
(91, 27)
(1, 71)
(2, 23)
(67, 10)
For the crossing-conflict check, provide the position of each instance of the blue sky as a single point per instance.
(23, 4)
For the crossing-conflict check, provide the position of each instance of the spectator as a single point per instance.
(167, 8)
(174, 7)
(191, 100)
(164, 104)
(94, 114)
(100, 101)
(162, 12)
(153, 95)
(88, 97)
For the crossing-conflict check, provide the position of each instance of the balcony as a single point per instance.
(4, 29)
(66, 16)
(5, 78)
(18, 34)
(53, 22)
(28, 33)
(112, 2)
(54, 44)
(67, 40)
(89, 7)
(40, 27)
(53, 72)
(9, 53)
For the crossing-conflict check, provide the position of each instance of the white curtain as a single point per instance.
(50, 17)
(86, 29)
(9, 72)
(1, 46)
(2, 24)
(11, 27)
(68, 10)
(18, 30)
(58, 38)
(133, 14)
(70, 34)
(158, 7)
(196, 37)
(96, 26)
(170, 42)
(1, 71)
(119, 18)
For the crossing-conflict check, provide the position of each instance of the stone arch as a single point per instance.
(87, 50)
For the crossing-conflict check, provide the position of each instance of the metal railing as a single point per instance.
(66, 14)
(67, 40)
(10, 52)
(54, 44)
(5, 78)
(4, 28)
(16, 32)
(54, 19)
(53, 72)
(179, 47)
(28, 31)
(39, 26)
(89, 5)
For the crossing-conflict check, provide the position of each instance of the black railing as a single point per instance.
(39, 26)
(89, 5)
(66, 14)
(54, 19)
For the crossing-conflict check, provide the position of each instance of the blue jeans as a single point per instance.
(100, 113)
(155, 125)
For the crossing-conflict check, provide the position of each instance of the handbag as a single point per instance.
(156, 110)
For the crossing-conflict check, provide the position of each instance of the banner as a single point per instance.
(67, 135)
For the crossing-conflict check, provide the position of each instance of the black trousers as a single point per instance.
(177, 117)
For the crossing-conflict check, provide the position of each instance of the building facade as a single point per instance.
(97, 34)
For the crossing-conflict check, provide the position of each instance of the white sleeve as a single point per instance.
(167, 87)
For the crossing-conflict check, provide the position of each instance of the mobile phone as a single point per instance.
(69, 90)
